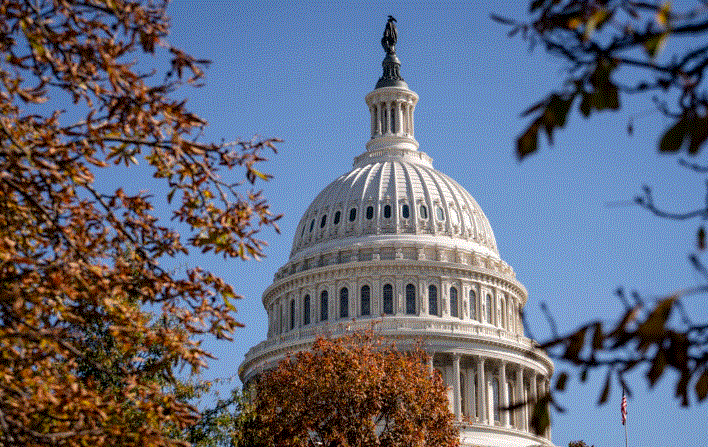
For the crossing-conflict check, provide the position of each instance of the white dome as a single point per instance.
(393, 196)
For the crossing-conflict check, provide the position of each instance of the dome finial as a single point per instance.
(391, 65)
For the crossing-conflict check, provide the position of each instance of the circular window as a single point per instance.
(387, 212)
(369, 212)
(440, 213)
(423, 212)
(352, 214)
(405, 211)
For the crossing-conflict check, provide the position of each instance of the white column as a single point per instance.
(520, 398)
(457, 403)
(410, 119)
(430, 363)
(399, 117)
(533, 387)
(482, 391)
(504, 394)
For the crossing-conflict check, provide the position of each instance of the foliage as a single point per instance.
(577, 444)
(614, 49)
(91, 326)
(353, 391)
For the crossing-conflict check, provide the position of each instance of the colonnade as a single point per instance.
(479, 387)
(393, 117)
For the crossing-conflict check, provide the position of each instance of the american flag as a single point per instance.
(623, 407)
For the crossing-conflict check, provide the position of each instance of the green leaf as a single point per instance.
(674, 137)
(702, 386)
(561, 381)
(527, 143)
(655, 44)
(606, 389)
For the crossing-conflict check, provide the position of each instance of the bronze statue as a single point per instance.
(390, 36)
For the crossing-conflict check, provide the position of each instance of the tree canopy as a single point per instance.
(353, 391)
(91, 325)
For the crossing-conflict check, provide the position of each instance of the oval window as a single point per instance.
(352, 214)
(441, 213)
(387, 211)
(323, 222)
(423, 212)
(405, 211)
(369, 212)
(312, 225)
(337, 216)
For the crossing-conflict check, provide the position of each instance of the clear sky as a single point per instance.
(299, 71)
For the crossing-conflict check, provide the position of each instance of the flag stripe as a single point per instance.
(624, 409)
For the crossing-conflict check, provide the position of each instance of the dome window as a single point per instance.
(410, 299)
(432, 300)
(387, 212)
(344, 303)
(352, 214)
(312, 225)
(423, 212)
(454, 217)
(473, 305)
(337, 216)
(323, 222)
(365, 300)
(453, 302)
(388, 299)
(441, 213)
(306, 310)
(292, 314)
(324, 306)
(405, 211)
(369, 212)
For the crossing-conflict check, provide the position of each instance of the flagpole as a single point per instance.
(625, 435)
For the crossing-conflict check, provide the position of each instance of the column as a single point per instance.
(482, 391)
(410, 119)
(504, 395)
(533, 387)
(456, 396)
(547, 389)
(520, 417)
(430, 363)
(399, 117)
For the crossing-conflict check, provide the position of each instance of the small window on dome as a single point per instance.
(352, 214)
(369, 212)
(387, 212)
(323, 222)
(423, 212)
(405, 211)
(312, 225)
(440, 213)
(454, 217)
(337, 216)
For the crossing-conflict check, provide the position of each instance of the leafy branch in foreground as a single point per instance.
(83, 361)
(612, 49)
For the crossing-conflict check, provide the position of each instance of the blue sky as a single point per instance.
(300, 73)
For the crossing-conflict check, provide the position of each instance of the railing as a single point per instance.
(400, 324)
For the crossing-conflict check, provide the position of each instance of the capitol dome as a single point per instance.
(397, 244)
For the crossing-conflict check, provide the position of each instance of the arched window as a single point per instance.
(387, 211)
(423, 212)
(432, 300)
(344, 303)
(495, 398)
(410, 299)
(369, 212)
(453, 302)
(365, 300)
(388, 299)
(312, 225)
(306, 310)
(323, 222)
(337, 216)
(292, 314)
(352, 214)
(324, 303)
(405, 211)
(473, 305)
(489, 309)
